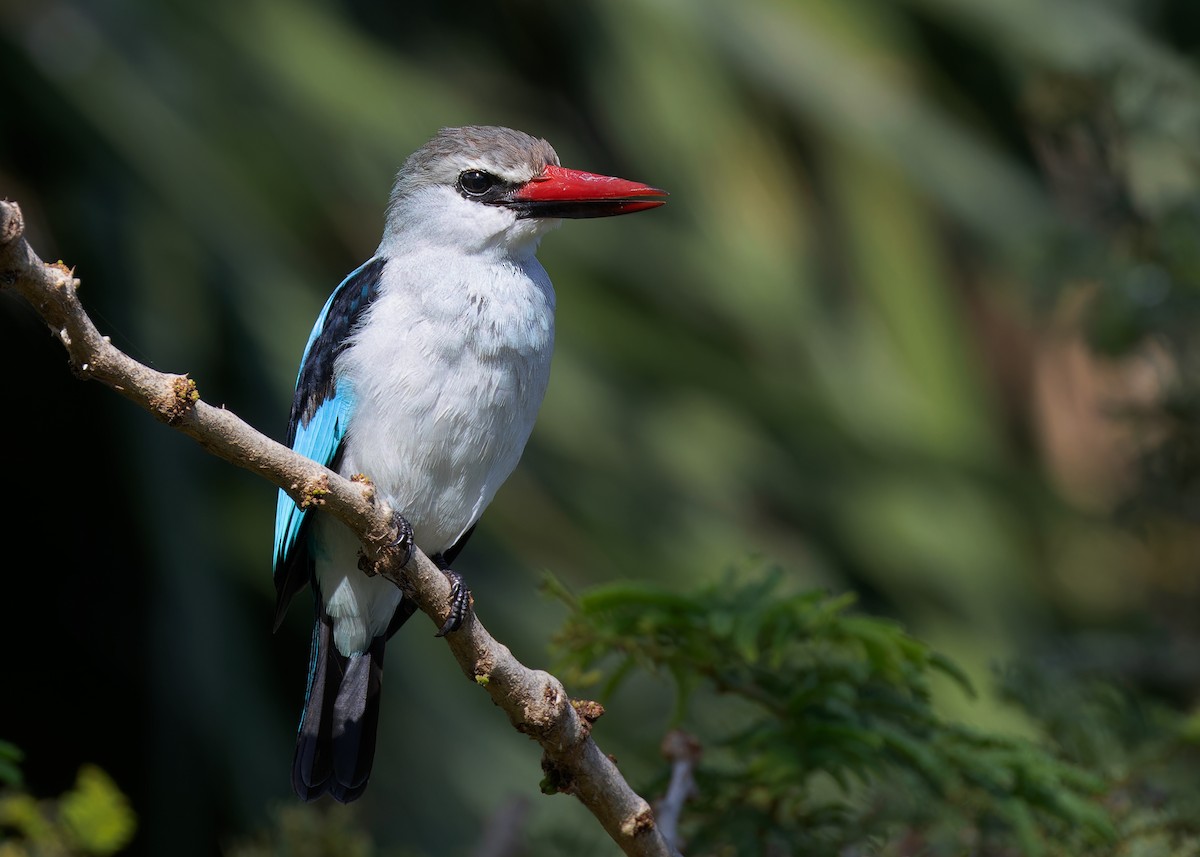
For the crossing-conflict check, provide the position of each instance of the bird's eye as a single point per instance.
(476, 182)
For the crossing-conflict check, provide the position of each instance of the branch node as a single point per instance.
(314, 493)
(368, 487)
(589, 712)
(373, 566)
(544, 716)
(69, 274)
(182, 399)
(373, 561)
(557, 780)
(679, 746)
(642, 822)
(12, 226)
(482, 669)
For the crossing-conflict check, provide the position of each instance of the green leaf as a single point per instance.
(96, 815)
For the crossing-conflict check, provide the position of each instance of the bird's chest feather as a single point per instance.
(447, 379)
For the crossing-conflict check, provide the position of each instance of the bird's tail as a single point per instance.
(335, 744)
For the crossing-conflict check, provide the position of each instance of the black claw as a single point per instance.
(405, 537)
(460, 600)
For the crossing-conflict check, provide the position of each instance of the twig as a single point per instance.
(683, 752)
(534, 701)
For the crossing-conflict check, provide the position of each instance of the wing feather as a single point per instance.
(321, 410)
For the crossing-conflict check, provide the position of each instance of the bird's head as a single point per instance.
(481, 187)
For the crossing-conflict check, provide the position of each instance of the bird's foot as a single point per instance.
(404, 537)
(460, 600)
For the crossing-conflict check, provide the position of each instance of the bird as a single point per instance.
(424, 372)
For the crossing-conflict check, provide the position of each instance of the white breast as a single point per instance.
(448, 371)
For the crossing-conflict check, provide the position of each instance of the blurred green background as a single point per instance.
(917, 322)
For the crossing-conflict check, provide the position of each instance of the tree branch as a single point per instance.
(535, 701)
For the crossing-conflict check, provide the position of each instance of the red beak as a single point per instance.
(559, 192)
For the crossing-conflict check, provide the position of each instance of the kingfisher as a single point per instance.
(424, 372)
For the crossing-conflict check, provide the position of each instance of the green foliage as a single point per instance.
(1146, 752)
(92, 819)
(10, 764)
(838, 748)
